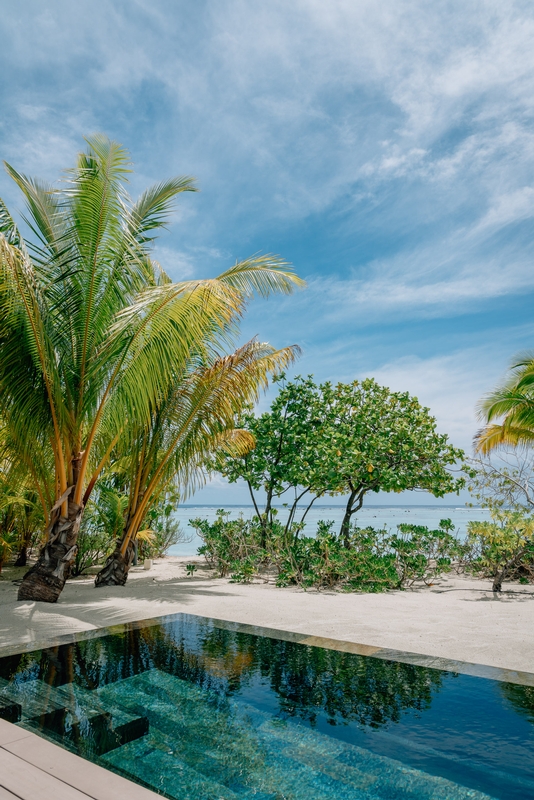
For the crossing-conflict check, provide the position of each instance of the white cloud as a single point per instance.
(450, 385)
(179, 266)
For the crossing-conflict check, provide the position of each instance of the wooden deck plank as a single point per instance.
(5, 795)
(99, 783)
(28, 782)
(10, 732)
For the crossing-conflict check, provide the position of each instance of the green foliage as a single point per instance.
(165, 529)
(423, 554)
(21, 514)
(366, 565)
(94, 542)
(103, 525)
(8, 542)
(508, 411)
(286, 461)
(231, 546)
(346, 439)
(366, 560)
(502, 549)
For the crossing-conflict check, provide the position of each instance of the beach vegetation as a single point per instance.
(376, 559)
(195, 420)
(503, 548)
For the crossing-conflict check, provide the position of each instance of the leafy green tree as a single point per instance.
(383, 441)
(286, 460)
(343, 439)
(93, 333)
(21, 513)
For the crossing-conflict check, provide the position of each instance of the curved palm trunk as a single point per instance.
(46, 579)
(115, 570)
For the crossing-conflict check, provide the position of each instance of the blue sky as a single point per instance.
(386, 149)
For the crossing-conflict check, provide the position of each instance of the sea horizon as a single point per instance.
(379, 516)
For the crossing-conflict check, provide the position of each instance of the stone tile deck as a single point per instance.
(32, 768)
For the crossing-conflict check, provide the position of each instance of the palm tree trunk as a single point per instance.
(22, 558)
(46, 579)
(115, 570)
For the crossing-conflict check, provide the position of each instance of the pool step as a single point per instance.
(10, 710)
(201, 740)
(35, 697)
(71, 715)
(150, 762)
(93, 733)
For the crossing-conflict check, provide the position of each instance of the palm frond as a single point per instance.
(152, 210)
(493, 437)
(9, 229)
(263, 275)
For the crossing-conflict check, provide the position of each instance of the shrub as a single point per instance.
(423, 554)
(502, 549)
(325, 561)
(231, 546)
(366, 560)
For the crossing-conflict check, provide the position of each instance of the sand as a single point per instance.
(457, 618)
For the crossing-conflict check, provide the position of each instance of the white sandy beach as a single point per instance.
(455, 619)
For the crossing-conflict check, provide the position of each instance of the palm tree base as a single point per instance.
(115, 570)
(39, 584)
(45, 580)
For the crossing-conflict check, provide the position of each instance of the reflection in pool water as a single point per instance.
(192, 710)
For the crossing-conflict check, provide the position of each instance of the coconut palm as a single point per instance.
(513, 404)
(194, 422)
(93, 332)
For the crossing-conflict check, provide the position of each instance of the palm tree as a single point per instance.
(194, 422)
(513, 404)
(93, 332)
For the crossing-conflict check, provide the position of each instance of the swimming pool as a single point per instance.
(194, 710)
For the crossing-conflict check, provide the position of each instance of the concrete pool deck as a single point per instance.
(456, 620)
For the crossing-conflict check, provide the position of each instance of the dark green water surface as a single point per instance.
(197, 712)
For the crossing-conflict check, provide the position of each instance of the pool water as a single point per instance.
(195, 711)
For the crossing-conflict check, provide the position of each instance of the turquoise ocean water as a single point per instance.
(376, 516)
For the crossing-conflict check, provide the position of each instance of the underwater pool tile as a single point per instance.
(165, 772)
(35, 697)
(291, 761)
